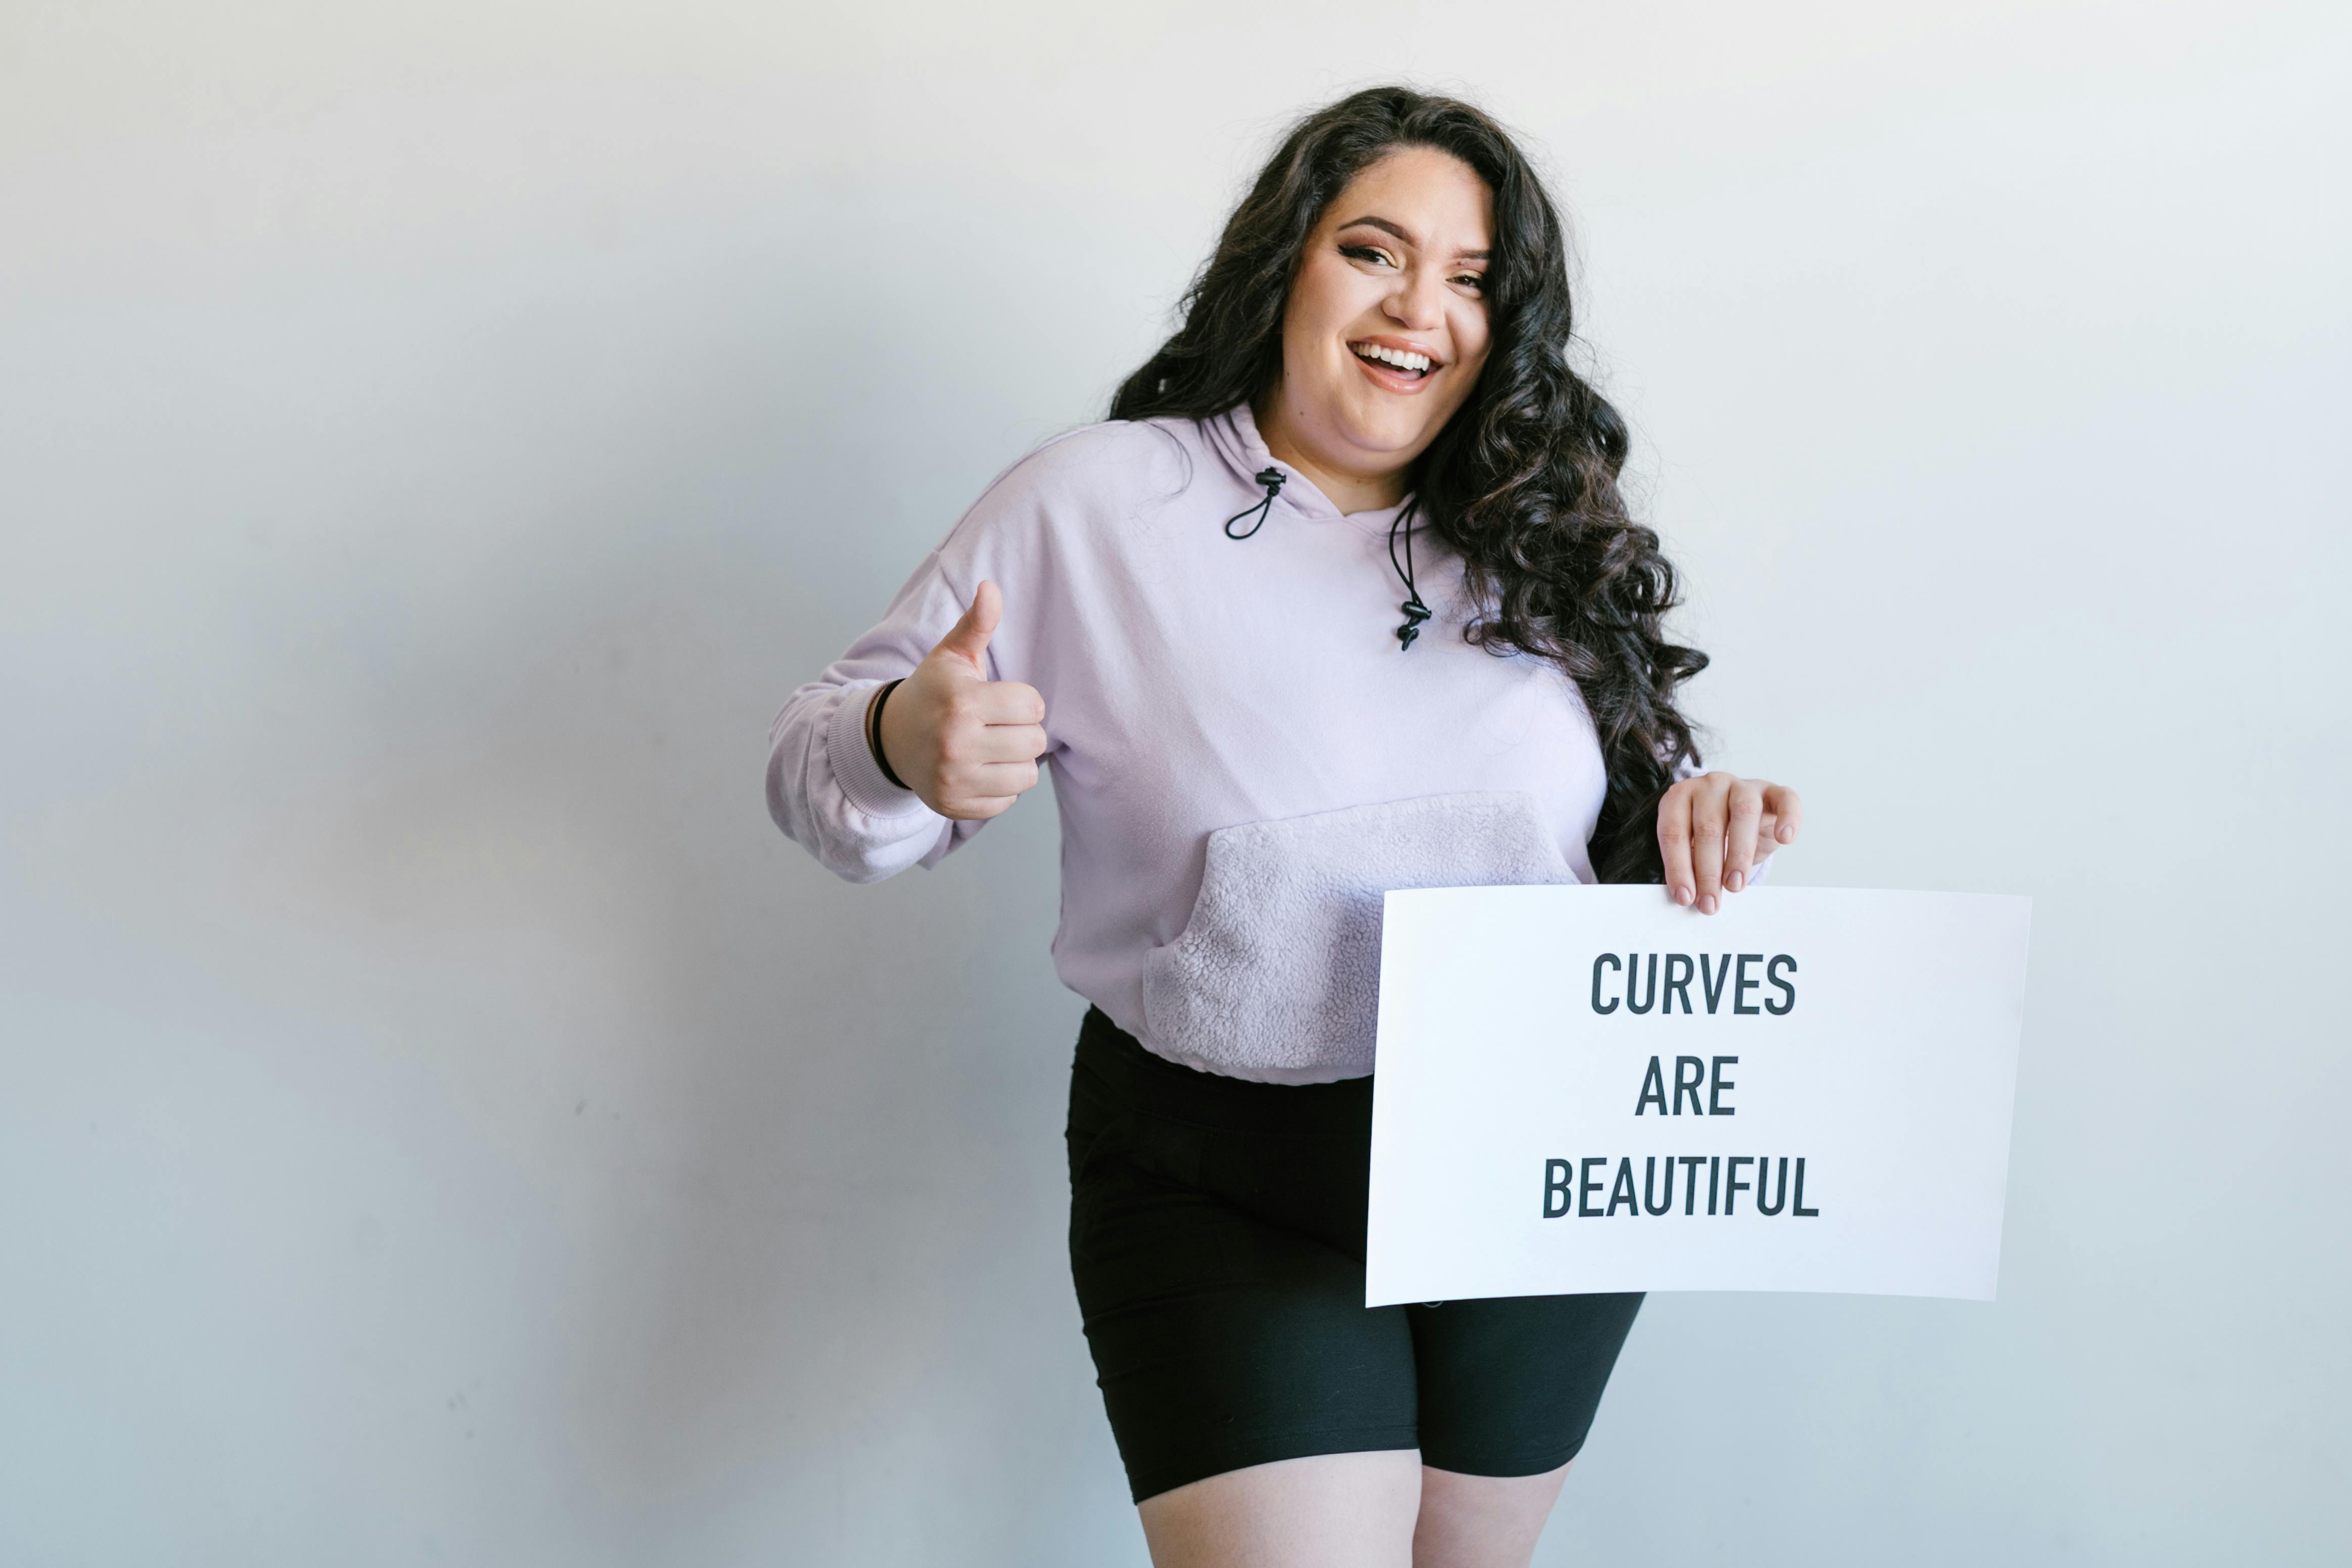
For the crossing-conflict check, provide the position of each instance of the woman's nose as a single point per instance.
(1418, 302)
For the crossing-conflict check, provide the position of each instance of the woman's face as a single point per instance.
(1386, 329)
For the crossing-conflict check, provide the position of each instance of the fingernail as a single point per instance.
(1707, 905)
(1683, 897)
(1735, 881)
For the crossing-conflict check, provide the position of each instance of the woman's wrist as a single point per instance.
(874, 731)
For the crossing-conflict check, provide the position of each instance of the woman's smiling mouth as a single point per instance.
(1395, 368)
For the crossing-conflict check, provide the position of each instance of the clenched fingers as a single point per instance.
(984, 743)
(985, 790)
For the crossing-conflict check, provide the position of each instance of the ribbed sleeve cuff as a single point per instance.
(854, 767)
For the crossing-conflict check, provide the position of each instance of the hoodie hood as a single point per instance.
(1233, 436)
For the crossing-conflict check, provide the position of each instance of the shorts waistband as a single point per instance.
(1140, 1081)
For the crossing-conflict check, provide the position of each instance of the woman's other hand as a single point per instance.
(1715, 830)
(968, 745)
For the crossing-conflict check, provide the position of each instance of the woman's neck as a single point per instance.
(1349, 492)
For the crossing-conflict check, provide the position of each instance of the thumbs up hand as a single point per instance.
(968, 745)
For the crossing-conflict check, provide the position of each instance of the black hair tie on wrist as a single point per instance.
(1416, 611)
(1272, 480)
(874, 735)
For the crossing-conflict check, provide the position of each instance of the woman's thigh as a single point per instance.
(1482, 1521)
(1222, 1342)
(1224, 1312)
(1330, 1511)
(1381, 1509)
(1508, 1386)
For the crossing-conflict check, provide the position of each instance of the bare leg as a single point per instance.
(1482, 1521)
(1329, 1510)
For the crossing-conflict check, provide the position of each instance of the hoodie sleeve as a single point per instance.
(1038, 533)
(825, 789)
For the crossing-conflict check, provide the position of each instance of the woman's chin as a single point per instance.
(1387, 443)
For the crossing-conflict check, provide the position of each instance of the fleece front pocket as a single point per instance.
(1278, 971)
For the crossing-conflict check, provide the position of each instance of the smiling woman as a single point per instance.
(1386, 330)
(1522, 486)
(1181, 612)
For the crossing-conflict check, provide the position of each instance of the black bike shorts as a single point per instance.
(1217, 1242)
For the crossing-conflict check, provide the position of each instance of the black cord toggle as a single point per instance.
(1272, 480)
(1416, 611)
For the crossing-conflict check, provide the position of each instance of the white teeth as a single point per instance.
(1400, 358)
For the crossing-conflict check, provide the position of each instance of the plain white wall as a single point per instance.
(442, 1121)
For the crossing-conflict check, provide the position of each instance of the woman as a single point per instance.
(1192, 614)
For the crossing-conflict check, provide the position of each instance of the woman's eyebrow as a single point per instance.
(1385, 227)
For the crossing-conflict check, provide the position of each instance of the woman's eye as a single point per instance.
(1473, 281)
(1363, 253)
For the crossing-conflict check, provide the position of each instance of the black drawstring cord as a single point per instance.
(1272, 480)
(1416, 611)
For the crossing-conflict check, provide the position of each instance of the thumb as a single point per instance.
(968, 638)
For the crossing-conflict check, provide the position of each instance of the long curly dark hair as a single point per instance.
(1523, 479)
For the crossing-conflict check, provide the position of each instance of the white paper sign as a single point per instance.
(1589, 1088)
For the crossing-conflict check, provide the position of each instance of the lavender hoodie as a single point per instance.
(1243, 756)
